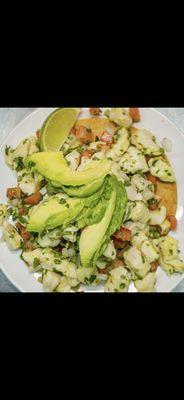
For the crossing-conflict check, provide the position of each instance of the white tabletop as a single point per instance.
(10, 117)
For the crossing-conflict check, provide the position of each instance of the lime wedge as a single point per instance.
(56, 128)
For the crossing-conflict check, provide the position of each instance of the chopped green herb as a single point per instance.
(76, 288)
(36, 262)
(22, 219)
(57, 261)
(62, 201)
(116, 136)
(91, 279)
(11, 236)
(122, 285)
(154, 162)
(19, 162)
(150, 187)
(1, 212)
(31, 164)
(152, 201)
(7, 150)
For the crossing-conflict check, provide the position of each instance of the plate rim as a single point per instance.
(11, 132)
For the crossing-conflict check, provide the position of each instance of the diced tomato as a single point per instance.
(95, 111)
(105, 270)
(135, 114)
(120, 244)
(24, 234)
(22, 211)
(84, 134)
(87, 153)
(58, 249)
(123, 234)
(14, 193)
(72, 132)
(173, 221)
(117, 263)
(107, 138)
(153, 207)
(151, 178)
(29, 246)
(154, 266)
(38, 134)
(33, 199)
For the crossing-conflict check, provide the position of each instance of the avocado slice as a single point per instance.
(53, 166)
(84, 190)
(92, 236)
(118, 214)
(52, 213)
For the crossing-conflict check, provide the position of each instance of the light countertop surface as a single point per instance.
(10, 117)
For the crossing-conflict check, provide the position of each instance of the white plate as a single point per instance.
(11, 264)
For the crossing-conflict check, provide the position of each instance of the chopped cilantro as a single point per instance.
(19, 162)
(22, 219)
(91, 279)
(62, 201)
(36, 262)
(31, 164)
(57, 261)
(76, 288)
(116, 136)
(150, 187)
(7, 150)
(122, 285)
(152, 201)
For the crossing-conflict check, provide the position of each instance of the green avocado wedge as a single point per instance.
(53, 166)
(116, 222)
(92, 236)
(84, 190)
(53, 213)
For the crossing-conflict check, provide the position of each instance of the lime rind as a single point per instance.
(56, 128)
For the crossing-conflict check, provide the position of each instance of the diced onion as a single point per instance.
(43, 191)
(167, 144)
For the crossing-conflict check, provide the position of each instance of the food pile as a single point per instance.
(88, 213)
